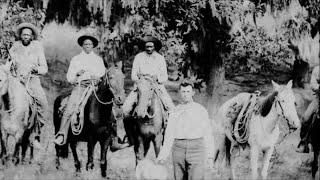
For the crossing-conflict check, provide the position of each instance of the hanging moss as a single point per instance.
(79, 12)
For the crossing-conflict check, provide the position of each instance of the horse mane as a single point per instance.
(266, 104)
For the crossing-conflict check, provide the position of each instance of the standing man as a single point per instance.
(151, 63)
(188, 136)
(29, 63)
(306, 119)
(84, 66)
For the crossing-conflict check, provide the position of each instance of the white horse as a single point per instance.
(263, 126)
(14, 121)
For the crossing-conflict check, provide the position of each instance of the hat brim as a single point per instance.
(29, 26)
(94, 40)
(157, 43)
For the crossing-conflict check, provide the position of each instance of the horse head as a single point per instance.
(285, 101)
(145, 93)
(115, 80)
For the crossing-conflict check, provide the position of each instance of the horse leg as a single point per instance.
(24, 147)
(4, 149)
(139, 149)
(315, 163)
(266, 162)
(146, 146)
(103, 156)
(157, 141)
(229, 158)
(254, 153)
(77, 164)
(90, 148)
(16, 153)
(31, 154)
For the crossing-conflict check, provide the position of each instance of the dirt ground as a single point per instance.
(285, 164)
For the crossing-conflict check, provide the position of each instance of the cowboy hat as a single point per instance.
(84, 37)
(29, 26)
(157, 43)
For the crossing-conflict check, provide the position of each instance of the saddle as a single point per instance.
(240, 115)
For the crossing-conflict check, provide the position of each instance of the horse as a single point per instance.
(146, 125)
(315, 142)
(98, 120)
(262, 128)
(15, 113)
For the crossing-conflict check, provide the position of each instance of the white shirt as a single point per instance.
(153, 64)
(187, 121)
(91, 63)
(28, 57)
(314, 76)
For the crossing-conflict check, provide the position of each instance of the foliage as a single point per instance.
(262, 46)
(15, 14)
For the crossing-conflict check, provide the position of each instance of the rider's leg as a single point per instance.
(129, 102)
(42, 108)
(68, 114)
(306, 122)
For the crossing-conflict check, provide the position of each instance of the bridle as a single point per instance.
(106, 82)
(279, 103)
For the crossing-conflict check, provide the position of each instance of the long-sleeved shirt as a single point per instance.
(153, 64)
(91, 63)
(187, 121)
(314, 77)
(27, 58)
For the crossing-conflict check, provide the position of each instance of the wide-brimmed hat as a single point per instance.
(157, 43)
(88, 36)
(29, 26)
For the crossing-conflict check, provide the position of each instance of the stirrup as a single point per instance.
(56, 140)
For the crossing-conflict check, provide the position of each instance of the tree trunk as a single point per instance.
(215, 86)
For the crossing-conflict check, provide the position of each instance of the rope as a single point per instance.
(95, 94)
(244, 115)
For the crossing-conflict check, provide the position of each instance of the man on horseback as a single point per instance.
(306, 119)
(149, 63)
(28, 63)
(85, 68)
(189, 130)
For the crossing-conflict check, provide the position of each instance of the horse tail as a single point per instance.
(61, 151)
(220, 148)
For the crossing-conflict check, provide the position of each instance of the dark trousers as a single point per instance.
(188, 157)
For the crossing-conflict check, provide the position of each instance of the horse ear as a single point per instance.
(275, 85)
(289, 85)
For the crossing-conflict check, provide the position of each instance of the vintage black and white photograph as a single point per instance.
(159, 89)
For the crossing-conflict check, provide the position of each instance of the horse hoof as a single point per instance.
(89, 166)
(15, 161)
(103, 170)
(103, 174)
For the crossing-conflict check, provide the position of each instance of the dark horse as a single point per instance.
(315, 141)
(99, 120)
(147, 123)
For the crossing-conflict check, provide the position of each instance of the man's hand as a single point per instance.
(80, 72)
